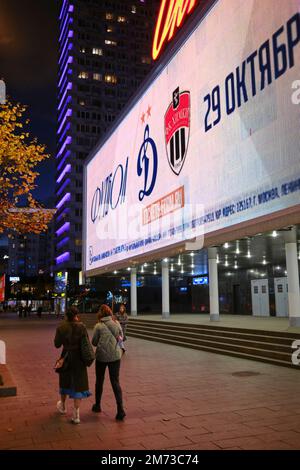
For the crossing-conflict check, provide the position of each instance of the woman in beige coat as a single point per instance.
(108, 354)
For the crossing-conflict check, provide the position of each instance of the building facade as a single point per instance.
(104, 54)
(212, 172)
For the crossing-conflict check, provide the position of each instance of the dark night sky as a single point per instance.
(28, 58)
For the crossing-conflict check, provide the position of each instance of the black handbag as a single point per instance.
(86, 350)
(62, 364)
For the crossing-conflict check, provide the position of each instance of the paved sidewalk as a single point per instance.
(175, 398)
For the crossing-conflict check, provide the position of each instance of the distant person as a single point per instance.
(57, 310)
(120, 339)
(108, 354)
(122, 318)
(20, 310)
(39, 312)
(74, 381)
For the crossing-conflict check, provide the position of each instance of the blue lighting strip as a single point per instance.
(63, 229)
(64, 139)
(63, 160)
(63, 215)
(63, 258)
(67, 115)
(63, 187)
(63, 242)
(66, 170)
(66, 198)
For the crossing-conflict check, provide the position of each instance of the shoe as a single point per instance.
(75, 419)
(120, 414)
(96, 408)
(61, 407)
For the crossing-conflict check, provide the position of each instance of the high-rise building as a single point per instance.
(104, 54)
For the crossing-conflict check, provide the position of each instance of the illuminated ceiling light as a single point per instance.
(248, 254)
(142, 270)
(155, 271)
(226, 245)
(274, 234)
(179, 261)
(235, 265)
(115, 272)
(145, 265)
(218, 259)
(264, 261)
(226, 261)
(128, 269)
(166, 260)
(285, 272)
(278, 268)
(237, 251)
(172, 267)
(182, 270)
(192, 253)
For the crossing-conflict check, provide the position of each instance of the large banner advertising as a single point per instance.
(2, 288)
(214, 141)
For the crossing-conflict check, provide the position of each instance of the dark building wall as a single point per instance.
(104, 55)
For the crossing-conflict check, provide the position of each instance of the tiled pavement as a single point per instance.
(175, 398)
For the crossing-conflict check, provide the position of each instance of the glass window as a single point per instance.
(97, 51)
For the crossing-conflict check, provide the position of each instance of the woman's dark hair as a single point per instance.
(71, 313)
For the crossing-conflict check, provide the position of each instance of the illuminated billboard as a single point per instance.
(212, 142)
(61, 282)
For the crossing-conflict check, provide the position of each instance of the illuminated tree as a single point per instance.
(19, 156)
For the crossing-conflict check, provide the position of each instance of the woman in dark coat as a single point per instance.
(74, 381)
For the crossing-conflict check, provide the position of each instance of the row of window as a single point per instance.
(87, 128)
(88, 115)
(111, 79)
(113, 65)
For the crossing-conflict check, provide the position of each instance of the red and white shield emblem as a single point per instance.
(177, 129)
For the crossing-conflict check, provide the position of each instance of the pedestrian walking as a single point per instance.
(73, 382)
(20, 310)
(57, 310)
(122, 318)
(108, 354)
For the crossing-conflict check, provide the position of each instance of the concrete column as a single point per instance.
(165, 289)
(133, 292)
(292, 268)
(213, 285)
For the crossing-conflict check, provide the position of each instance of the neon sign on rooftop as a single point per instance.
(172, 14)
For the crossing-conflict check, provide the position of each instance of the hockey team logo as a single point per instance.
(177, 129)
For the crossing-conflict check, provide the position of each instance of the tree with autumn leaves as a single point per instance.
(19, 156)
